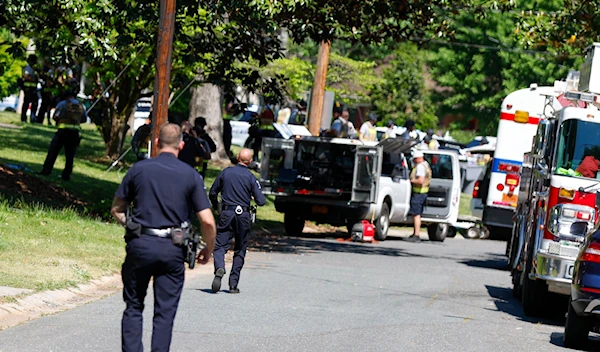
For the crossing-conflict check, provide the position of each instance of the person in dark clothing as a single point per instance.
(237, 187)
(68, 115)
(192, 151)
(205, 141)
(141, 137)
(48, 98)
(29, 84)
(159, 207)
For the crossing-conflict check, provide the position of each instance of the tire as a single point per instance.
(517, 290)
(293, 225)
(451, 232)
(577, 329)
(382, 224)
(437, 232)
(534, 292)
(473, 233)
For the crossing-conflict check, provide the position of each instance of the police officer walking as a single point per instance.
(161, 208)
(68, 114)
(238, 187)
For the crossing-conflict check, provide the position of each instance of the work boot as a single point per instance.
(413, 238)
(216, 284)
(234, 290)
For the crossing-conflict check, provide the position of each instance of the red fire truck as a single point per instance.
(558, 203)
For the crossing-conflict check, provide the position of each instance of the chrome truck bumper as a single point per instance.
(556, 270)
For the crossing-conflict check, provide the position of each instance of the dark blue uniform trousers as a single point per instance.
(231, 226)
(150, 256)
(64, 137)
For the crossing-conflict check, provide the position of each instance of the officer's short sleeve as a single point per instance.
(126, 188)
(199, 198)
(421, 171)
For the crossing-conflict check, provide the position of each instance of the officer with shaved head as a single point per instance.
(237, 186)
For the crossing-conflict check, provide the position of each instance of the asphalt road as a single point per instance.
(320, 294)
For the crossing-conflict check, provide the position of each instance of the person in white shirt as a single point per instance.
(367, 130)
(391, 131)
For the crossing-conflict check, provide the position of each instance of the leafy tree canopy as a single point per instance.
(474, 78)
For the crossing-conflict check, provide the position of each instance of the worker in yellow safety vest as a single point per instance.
(368, 131)
(420, 178)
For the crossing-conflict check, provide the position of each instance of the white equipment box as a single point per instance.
(590, 70)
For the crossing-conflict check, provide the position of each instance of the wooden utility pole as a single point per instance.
(318, 93)
(164, 50)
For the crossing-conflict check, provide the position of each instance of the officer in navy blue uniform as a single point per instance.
(238, 187)
(160, 206)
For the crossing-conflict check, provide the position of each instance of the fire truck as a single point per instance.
(520, 113)
(558, 203)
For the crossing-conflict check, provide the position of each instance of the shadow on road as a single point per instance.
(490, 261)
(556, 338)
(314, 243)
(505, 302)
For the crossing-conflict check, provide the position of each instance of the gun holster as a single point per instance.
(132, 230)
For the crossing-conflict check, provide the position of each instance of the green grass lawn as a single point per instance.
(465, 204)
(50, 245)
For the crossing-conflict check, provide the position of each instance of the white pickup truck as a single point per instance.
(343, 181)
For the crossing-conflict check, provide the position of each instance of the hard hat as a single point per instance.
(417, 154)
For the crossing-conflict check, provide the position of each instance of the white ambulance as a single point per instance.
(520, 113)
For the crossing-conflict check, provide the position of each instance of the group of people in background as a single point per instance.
(48, 83)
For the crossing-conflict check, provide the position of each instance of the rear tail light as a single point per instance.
(476, 190)
(569, 220)
(592, 253)
(509, 168)
(582, 215)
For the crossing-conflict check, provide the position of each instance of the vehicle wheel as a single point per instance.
(293, 224)
(517, 290)
(382, 225)
(10, 110)
(534, 292)
(485, 233)
(451, 232)
(473, 233)
(577, 329)
(437, 232)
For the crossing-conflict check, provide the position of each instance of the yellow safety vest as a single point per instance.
(424, 188)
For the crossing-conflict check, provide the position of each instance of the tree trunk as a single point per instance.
(118, 128)
(206, 102)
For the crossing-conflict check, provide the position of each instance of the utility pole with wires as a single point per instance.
(164, 51)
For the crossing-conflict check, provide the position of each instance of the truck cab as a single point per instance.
(344, 181)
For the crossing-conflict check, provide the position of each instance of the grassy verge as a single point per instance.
(464, 207)
(52, 245)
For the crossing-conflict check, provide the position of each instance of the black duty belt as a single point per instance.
(165, 233)
(237, 208)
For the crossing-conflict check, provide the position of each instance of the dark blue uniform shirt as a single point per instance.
(164, 191)
(237, 185)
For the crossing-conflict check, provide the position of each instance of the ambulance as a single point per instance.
(520, 113)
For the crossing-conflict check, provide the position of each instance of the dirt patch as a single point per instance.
(16, 183)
